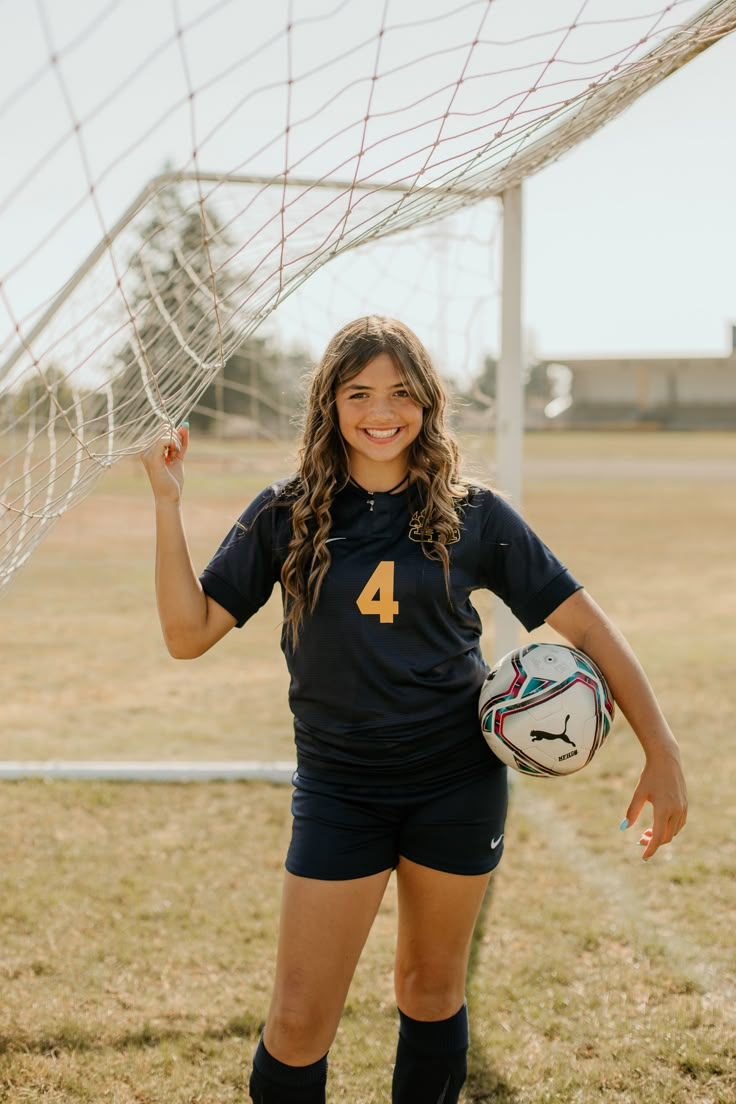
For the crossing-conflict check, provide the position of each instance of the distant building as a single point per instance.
(687, 392)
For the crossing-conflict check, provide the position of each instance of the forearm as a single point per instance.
(586, 627)
(662, 783)
(182, 604)
(630, 687)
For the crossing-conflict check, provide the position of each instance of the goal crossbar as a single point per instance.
(580, 118)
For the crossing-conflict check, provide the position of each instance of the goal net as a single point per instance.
(173, 173)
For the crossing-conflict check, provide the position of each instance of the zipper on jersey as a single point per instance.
(371, 499)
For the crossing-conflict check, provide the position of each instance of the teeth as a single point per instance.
(382, 432)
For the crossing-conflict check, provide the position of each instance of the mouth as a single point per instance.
(382, 434)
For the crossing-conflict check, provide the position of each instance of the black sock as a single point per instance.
(272, 1082)
(431, 1060)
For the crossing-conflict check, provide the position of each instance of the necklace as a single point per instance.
(371, 494)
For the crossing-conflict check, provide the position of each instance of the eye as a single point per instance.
(402, 393)
(357, 395)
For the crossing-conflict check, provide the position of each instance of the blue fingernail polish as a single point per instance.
(624, 824)
(185, 425)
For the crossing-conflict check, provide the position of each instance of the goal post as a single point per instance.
(340, 150)
(510, 389)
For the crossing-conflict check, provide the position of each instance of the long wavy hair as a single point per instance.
(434, 463)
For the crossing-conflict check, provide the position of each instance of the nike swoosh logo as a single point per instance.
(495, 842)
(330, 539)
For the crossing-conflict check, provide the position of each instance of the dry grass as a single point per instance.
(137, 922)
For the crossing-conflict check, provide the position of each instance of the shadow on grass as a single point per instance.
(484, 1084)
(73, 1037)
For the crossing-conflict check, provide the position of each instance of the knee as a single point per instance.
(297, 1033)
(429, 992)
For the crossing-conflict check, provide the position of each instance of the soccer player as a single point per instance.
(377, 543)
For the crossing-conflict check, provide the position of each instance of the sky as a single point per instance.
(629, 239)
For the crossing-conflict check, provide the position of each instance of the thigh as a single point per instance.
(323, 928)
(437, 915)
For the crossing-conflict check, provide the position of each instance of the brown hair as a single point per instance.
(323, 459)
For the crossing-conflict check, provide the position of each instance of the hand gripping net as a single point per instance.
(172, 173)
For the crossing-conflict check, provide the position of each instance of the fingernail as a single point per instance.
(624, 824)
(185, 425)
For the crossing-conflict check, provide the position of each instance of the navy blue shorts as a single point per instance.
(458, 828)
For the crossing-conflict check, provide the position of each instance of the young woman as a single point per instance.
(377, 543)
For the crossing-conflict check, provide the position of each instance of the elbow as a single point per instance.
(177, 652)
(181, 646)
(190, 636)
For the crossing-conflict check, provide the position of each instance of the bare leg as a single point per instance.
(324, 926)
(437, 915)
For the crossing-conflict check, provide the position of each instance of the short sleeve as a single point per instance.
(241, 574)
(520, 568)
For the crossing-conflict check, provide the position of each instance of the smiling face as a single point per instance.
(378, 420)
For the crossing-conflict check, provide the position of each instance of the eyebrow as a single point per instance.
(365, 387)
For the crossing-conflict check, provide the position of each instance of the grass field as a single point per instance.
(137, 922)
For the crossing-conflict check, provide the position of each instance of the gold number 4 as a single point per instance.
(377, 596)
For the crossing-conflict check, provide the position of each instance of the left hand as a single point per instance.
(586, 626)
(661, 784)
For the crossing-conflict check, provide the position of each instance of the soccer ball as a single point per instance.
(545, 709)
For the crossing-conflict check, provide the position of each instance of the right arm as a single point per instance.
(191, 621)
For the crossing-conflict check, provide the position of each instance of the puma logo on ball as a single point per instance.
(540, 734)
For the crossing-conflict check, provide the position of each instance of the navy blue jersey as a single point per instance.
(388, 667)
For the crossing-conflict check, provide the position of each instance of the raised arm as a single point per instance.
(191, 621)
(662, 784)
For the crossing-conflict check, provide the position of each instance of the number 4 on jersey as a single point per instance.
(377, 596)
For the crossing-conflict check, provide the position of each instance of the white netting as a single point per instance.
(173, 172)
(441, 278)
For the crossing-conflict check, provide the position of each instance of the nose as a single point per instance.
(381, 412)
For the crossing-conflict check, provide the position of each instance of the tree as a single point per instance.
(178, 290)
(42, 396)
(481, 393)
(261, 390)
(482, 390)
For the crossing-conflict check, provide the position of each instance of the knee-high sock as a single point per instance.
(431, 1060)
(273, 1082)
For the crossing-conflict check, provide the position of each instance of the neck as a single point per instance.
(380, 482)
